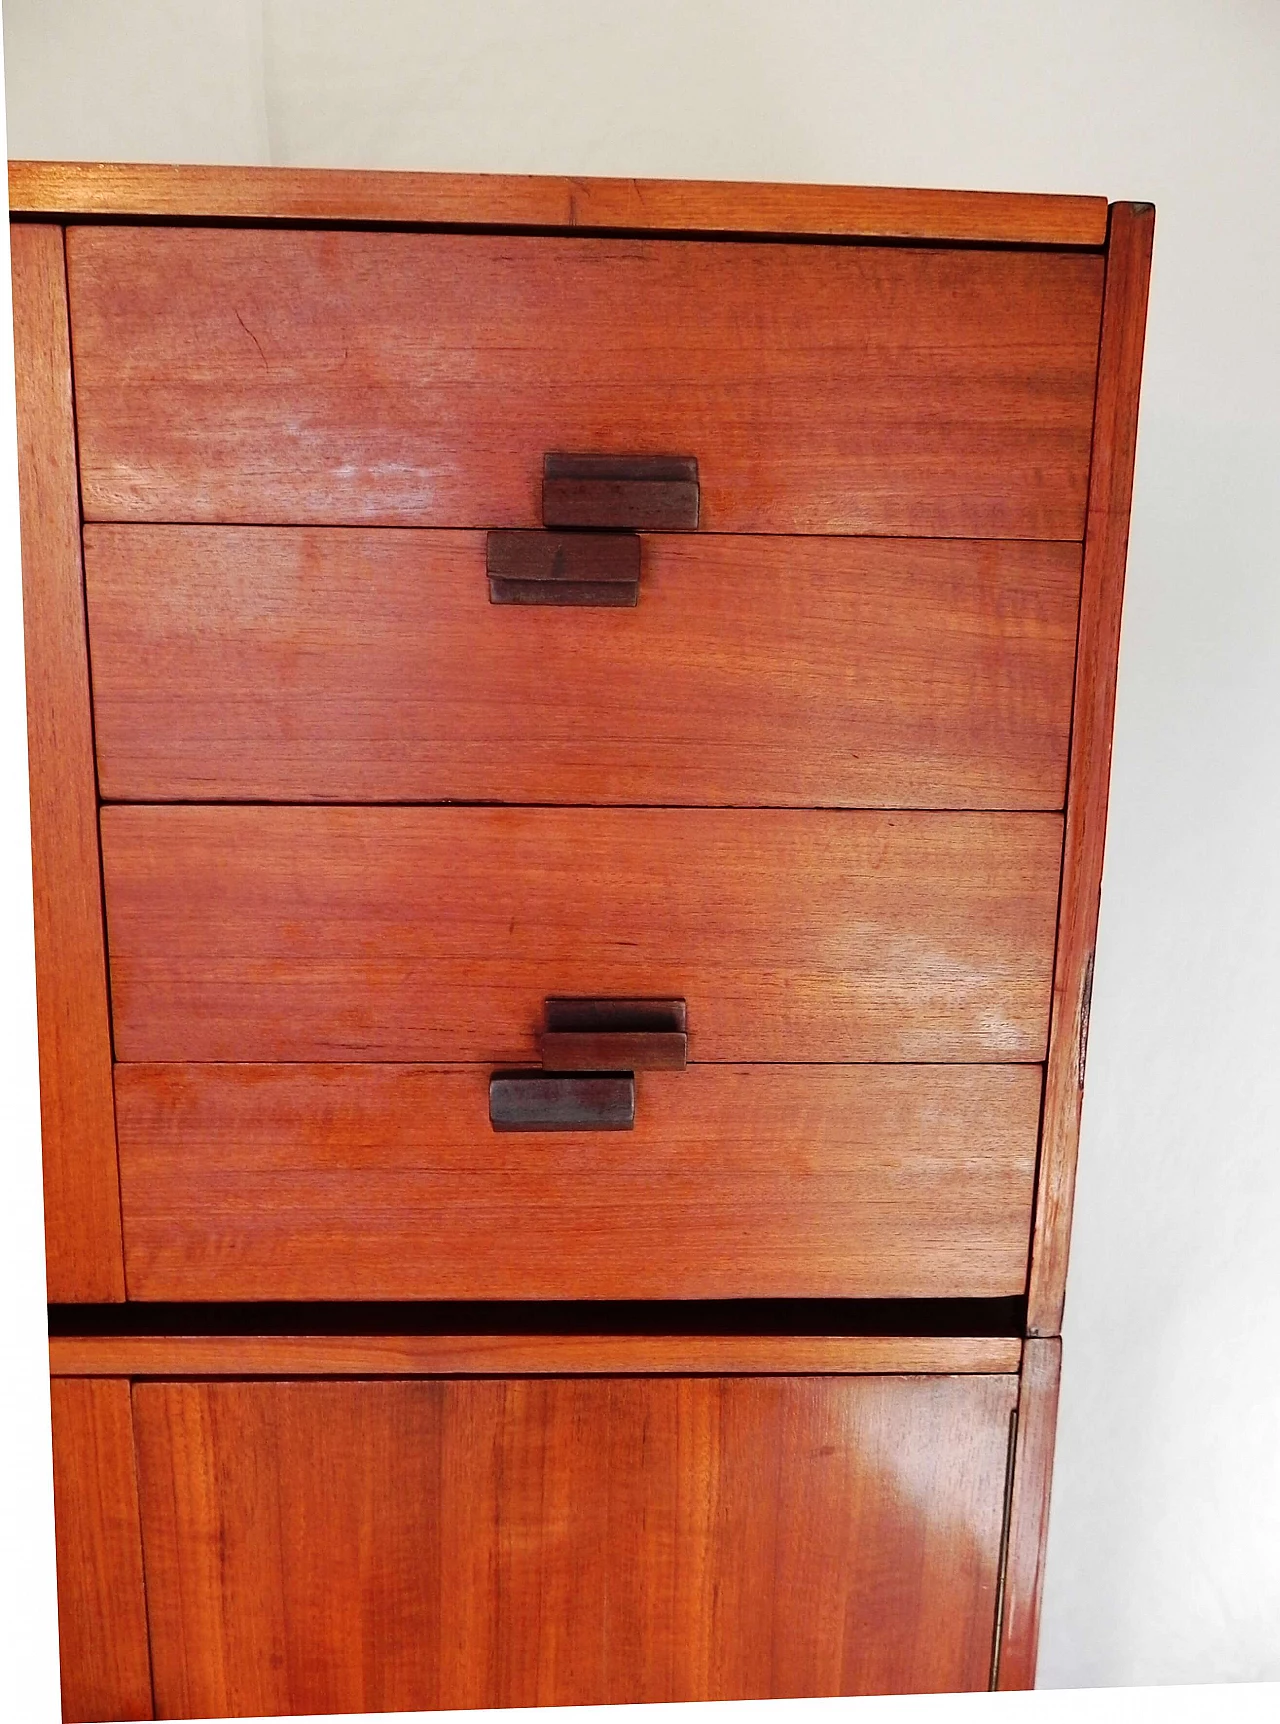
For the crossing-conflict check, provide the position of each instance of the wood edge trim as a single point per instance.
(93, 1429)
(142, 1550)
(1028, 1513)
(84, 1231)
(1122, 333)
(164, 190)
(529, 1355)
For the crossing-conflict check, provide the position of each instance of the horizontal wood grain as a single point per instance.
(501, 1355)
(260, 933)
(83, 1256)
(317, 1547)
(1106, 549)
(102, 1612)
(278, 664)
(262, 375)
(386, 1182)
(533, 200)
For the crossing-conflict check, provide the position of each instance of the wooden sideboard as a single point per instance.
(570, 730)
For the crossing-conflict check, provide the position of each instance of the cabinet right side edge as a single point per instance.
(1124, 317)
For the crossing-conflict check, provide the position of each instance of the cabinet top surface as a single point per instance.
(200, 193)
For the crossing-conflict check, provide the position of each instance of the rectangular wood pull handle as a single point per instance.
(526, 567)
(556, 1101)
(645, 493)
(614, 1035)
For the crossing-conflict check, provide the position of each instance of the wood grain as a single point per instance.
(521, 1355)
(437, 933)
(1029, 1513)
(278, 664)
(262, 375)
(528, 200)
(385, 1182)
(83, 1254)
(102, 1615)
(316, 1547)
(1106, 546)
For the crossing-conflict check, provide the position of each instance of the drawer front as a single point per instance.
(352, 1546)
(368, 665)
(430, 934)
(386, 1182)
(419, 379)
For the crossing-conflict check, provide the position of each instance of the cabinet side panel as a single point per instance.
(82, 1194)
(1029, 1514)
(102, 1617)
(1124, 319)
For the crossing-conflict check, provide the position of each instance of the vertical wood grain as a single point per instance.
(1124, 318)
(1029, 1513)
(102, 1618)
(316, 1547)
(82, 1194)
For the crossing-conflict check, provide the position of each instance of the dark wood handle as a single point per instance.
(614, 1035)
(645, 493)
(526, 567)
(629, 1050)
(552, 1101)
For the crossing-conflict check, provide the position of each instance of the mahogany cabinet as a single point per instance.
(570, 727)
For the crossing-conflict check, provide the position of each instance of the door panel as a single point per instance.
(350, 1546)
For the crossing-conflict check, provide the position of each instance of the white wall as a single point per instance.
(1164, 1560)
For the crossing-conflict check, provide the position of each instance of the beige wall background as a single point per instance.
(1164, 1558)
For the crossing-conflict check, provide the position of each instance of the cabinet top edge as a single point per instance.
(164, 191)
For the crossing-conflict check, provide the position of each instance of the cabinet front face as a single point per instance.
(361, 1545)
(337, 793)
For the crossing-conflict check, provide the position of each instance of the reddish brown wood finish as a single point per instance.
(350, 1546)
(317, 664)
(419, 379)
(82, 1198)
(514, 1355)
(437, 933)
(1029, 1513)
(529, 200)
(1106, 545)
(102, 1614)
(386, 1182)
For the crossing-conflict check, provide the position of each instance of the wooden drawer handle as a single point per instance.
(614, 1035)
(645, 493)
(591, 1050)
(526, 567)
(555, 1101)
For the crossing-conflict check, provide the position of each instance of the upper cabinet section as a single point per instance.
(389, 378)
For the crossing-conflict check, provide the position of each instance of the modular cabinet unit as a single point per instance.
(570, 727)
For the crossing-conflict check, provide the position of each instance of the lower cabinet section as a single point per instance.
(386, 1543)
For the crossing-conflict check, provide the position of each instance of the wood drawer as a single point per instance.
(386, 1182)
(424, 934)
(419, 379)
(276, 664)
(567, 1541)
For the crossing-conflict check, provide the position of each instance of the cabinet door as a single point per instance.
(343, 1546)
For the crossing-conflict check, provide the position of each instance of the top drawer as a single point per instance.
(242, 375)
